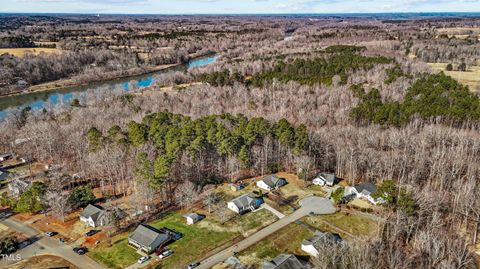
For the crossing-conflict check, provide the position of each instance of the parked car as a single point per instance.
(51, 233)
(80, 250)
(91, 232)
(143, 259)
(193, 265)
(61, 240)
(165, 254)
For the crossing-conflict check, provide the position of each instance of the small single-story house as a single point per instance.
(283, 261)
(271, 182)
(245, 203)
(94, 216)
(26, 159)
(193, 218)
(312, 245)
(5, 156)
(18, 186)
(324, 179)
(364, 190)
(148, 239)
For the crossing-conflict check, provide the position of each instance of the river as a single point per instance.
(40, 100)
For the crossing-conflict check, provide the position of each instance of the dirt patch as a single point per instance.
(42, 262)
(65, 229)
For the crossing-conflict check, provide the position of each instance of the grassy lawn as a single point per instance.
(196, 242)
(253, 221)
(354, 224)
(119, 255)
(287, 240)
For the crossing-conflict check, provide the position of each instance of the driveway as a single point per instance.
(46, 245)
(311, 204)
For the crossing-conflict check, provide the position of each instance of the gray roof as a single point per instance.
(194, 216)
(366, 188)
(283, 261)
(329, 177)
(3, 175)
(147, 236)
(92, 211)
(244, 201)
(273, 181)
(3, 155)
(320, 238)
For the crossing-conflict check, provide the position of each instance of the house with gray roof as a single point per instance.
(324, 179)
(283, 261)
(193, 218)
(244, 203)
(271, 182)
(364, 190)
(319, 240)
(148, 239)
(5, 156)
(94, 216)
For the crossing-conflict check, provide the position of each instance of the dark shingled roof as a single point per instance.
(92, 211)
(148, 236)
(320, 238)
(283, 261)
(366, 188)
(329, 177)
(273, 181)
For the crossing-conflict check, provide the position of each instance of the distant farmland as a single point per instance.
(21, 51)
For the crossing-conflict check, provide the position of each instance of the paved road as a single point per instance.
(46, 245)
(312, 204)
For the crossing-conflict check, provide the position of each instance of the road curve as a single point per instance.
(46, 245)
(312, 204)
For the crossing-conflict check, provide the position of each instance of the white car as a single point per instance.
(165, 254)
(143, 259)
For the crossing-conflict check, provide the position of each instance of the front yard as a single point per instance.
(353, 224)
(119, 255)
(286, 240)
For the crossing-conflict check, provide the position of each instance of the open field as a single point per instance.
(353, 224)
(18, 52)
(41, 262)
(470, 78)
(287, 240)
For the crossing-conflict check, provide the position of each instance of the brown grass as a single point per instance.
(19, 52)
(41, 262)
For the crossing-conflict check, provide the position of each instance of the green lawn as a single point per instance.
(196, 241)
(287, 240)
(252, 221)
(119, 255)
(354, 224)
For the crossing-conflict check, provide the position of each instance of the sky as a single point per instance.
(236, 6)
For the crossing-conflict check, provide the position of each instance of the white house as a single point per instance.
(364, 190)
(283, 261)
(313, 245)
(94, 216)
(324, 179)
(271, 182)
(244, 203)
(193, 218)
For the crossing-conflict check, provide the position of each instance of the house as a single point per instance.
(245, 203)
(271, 182)
(94, 216)
(364, 190)
(18, 186)
(325, 179)
(148, 239)
(284, 261)
(26, 159)
(193, 218)
(313, 245)
(5, 156)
